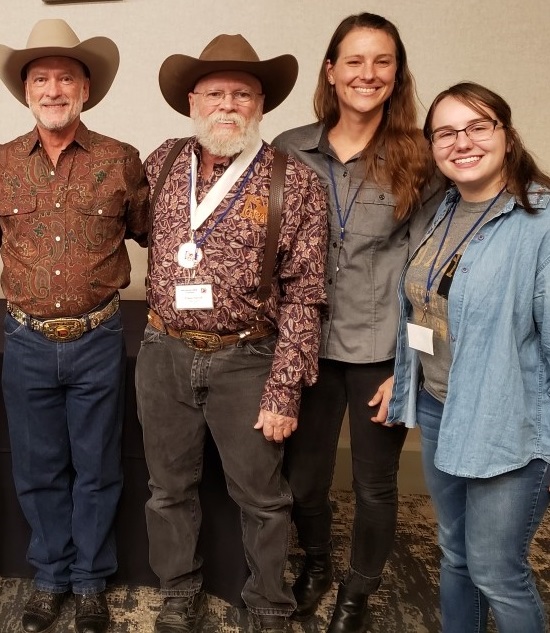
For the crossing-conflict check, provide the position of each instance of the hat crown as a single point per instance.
(52, 32)
(229, 48)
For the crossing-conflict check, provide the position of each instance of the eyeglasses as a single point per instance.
(215, 97)
(478, 131)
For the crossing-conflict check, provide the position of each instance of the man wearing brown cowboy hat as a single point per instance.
(216, 352)
(68, 199)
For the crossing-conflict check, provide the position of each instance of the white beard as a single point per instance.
(226, 142)
(57, 122)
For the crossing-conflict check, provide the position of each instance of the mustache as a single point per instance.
(55, 102)
(230, 117)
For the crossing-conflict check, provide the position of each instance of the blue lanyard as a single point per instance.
(432, 275)
(246, 178)
(342, 218)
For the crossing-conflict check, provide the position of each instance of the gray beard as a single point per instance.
(226, 145)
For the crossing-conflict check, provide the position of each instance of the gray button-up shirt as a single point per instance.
(364, 267)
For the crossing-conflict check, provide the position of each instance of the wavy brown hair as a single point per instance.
(407, 163)
(519, 167)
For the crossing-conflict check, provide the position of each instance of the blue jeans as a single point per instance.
(179, 393)
(64, 405)
(485, 529)
(310, 455)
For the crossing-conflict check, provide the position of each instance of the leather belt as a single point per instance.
(201, 341)
(64, 329)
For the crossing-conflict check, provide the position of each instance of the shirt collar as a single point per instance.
(81, 137)
(319, 141)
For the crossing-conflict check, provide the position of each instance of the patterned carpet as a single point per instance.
(405, 603)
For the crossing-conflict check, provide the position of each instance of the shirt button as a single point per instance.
(57, 304)
(480, 237)
(330, 282)
(335, 244)
(453, 338)
(52, 173)
(345, 174)
(464, 269)
(16, 210)
(57, 272)
(382, 196)
(57, 205)
(57, 238)
(100, 211)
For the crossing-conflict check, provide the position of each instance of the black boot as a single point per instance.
(311, 584)
(350, 612)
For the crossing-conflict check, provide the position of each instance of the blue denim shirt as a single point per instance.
(497, 412)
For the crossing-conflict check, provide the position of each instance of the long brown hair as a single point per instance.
(407, 162)
(519, 167)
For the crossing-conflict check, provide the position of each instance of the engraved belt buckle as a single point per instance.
(202, 341)
(62, 330)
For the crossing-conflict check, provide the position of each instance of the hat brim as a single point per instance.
(179, 75)
(99, 54)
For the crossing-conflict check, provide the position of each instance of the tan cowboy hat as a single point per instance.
(56, 38)
(179, 74)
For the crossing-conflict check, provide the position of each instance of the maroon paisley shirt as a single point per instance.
(232, 255)
(63, 228)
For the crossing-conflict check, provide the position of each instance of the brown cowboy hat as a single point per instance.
(179, 74)
(55, 38)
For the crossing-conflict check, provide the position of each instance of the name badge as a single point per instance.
(194, 297)
(420, 338)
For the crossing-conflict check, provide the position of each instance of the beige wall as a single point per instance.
(502, 43)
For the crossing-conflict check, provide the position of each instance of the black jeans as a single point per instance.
(310, 455)
(179, 393)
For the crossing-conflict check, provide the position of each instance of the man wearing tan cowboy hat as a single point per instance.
(217, 353)
(68, 199)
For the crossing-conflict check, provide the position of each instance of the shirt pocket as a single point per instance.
(100, 206)
(374, 213)
(240, 257)
(103, 221)
(20, 207)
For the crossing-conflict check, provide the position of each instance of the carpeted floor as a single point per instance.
(405, 603)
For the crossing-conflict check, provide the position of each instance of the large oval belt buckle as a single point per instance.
(62, 330)
(202, 341)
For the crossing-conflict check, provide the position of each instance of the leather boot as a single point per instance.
(181, 615)
(349, 613)
(41, 611)
(314, 581)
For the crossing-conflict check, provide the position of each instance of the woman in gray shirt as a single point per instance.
(369, 153)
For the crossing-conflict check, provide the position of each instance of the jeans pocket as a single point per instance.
(265, 348)
(11, 326)
(112, 325)
(151, 335)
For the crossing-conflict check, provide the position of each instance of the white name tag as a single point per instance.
(194, 297)
(421, 338)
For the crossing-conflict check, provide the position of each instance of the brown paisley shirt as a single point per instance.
(63, 228)
(232, 255)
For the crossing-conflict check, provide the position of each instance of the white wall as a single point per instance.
(501, 43)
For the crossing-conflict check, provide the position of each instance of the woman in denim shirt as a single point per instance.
(475, 325)
(370, 154)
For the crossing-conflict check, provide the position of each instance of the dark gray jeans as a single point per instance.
(179, 393)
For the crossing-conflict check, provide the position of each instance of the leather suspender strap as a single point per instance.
(168, 162)
(167, 166)
(274, 213)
